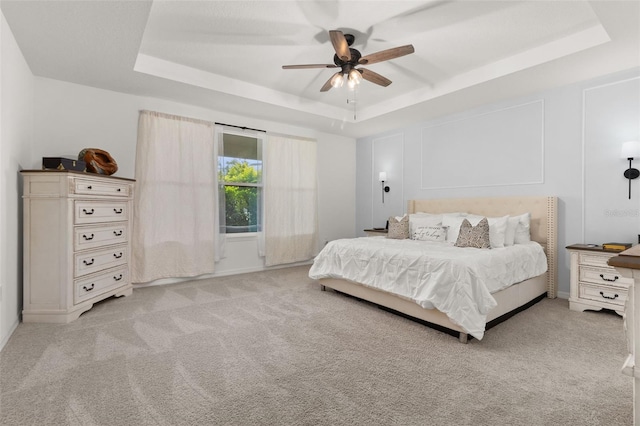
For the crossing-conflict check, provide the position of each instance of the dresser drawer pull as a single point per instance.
(615, 296)
(87, 238)
(119, 189)
(117, 233)
(117, 211)
(85, 288)
(615, 278)
(119, 277)
(89, 187)
(117, 256)
(87, 212)
(88, 262)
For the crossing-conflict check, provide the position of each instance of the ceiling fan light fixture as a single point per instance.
(355, 76)
(337, 80)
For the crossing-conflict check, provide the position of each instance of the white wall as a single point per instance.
(573, 135)
(16, 138)
(70, 117)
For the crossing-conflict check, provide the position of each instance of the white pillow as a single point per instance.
(452, 222)
(430, 233)
(497, 228)
(510, 233)
(423, 220)
(523, 230)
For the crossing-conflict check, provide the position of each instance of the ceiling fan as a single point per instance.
(347, 58)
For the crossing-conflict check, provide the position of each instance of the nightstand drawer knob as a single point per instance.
(85, 288)
(119, 277)
(88, 262)
(615, 278)
(87, 238)
(615, 296)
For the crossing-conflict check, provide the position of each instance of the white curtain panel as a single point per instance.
(290, 200)
(175, 206)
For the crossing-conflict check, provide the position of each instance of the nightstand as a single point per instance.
(376, 232)
(594, 284)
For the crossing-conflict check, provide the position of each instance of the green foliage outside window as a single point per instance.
(241, 201)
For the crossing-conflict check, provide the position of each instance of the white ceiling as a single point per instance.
(228, 55)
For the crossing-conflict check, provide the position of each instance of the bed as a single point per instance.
(508, 301)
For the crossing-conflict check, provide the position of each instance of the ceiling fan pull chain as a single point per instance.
(353, 101)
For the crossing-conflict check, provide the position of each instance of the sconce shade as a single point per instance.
(382, 176)
(630, 149)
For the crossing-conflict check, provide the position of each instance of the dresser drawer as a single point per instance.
(97, 211)
(97, 284)
(596, 259)
(90, 187)
(98, 260)
(603, 276)
(611, 295)
(87, 237)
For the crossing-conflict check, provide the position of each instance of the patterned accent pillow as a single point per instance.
(398, 229)
(474, 236)
(430, 233)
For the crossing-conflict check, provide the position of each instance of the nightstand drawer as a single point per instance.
(596, 259)
(603, 276)
(611, 295)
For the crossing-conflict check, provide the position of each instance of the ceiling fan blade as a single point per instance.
(340, 45)
(299, 67)
(374, 77)
(385, 55)
(327, 86)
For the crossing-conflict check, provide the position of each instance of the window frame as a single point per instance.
(222, 184)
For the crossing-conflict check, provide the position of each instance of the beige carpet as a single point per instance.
(272, 349)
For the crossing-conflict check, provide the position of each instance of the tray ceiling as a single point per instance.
(229, 54)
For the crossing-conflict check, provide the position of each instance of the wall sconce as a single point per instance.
(382, 177)
(631, 150)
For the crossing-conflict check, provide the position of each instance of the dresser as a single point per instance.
(77, 244)
(627, 263)
(594, 284)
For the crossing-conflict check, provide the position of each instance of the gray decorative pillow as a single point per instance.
(474, 236)
(398, 229)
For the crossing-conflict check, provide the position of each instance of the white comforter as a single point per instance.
(456, 281)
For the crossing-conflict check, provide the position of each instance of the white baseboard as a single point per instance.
(6, 338)
(165, 281)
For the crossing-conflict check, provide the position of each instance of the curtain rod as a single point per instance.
(240, 127)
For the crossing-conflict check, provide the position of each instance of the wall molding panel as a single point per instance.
(485, 149)
(387, 155)
(609, 117)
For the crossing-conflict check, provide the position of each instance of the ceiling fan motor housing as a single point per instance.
(355, 57)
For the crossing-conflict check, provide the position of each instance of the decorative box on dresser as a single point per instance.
(594, 284)
(77, 245)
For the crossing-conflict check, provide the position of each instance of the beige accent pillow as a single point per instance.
(474, 236)
(398, 229)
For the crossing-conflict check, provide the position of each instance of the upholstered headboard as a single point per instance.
(544, 218)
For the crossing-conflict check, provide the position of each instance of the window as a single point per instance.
(240, 178)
